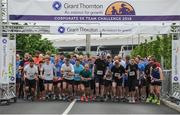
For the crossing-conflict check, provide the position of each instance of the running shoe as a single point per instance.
(149, 99)
(154, 101)
(82, 98)
(86, 98)
(158, 102)
(91, 98)
(60, 97)
(54, 97)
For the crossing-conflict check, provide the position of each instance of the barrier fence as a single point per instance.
(168, 88)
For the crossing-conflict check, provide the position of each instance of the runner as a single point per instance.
(85, 85)
(23, 63)
(67, 70)
(141, 89)
(118, 72)
(108, 79)
(48, 76)
(57, 82)
(41, 81)
(77, 78)
(30, 75)
(100, 67)
(156, 82)
(132, 72)
(148, 77)
(125, 81)
(92, 82)
(18, 75)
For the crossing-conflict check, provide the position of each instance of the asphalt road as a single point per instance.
(84, 108)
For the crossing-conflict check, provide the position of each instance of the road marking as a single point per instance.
(68, 109)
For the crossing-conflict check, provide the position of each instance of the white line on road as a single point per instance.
(68, 109)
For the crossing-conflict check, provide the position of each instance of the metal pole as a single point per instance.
(1, 19)
(88, 43)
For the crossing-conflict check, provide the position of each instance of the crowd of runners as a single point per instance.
(88, 78)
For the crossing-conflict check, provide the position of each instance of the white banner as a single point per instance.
(12, 61)
(93, 10)
(122, 30)
(4, 60)
(176, 61)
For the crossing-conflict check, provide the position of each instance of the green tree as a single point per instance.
(31, 43)
(161, 47)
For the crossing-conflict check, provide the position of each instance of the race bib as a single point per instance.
(99, 72)
(48, 74)
(31, 75)
(67, 76)
(76, 75)
(108, 78)
(132, 73)
(117, 74)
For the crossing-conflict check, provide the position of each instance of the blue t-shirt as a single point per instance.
(17, 69)
(77, 70)
(125, 78)
(141, 66)
(110, 65)
(58, 70)
(73, 62)
(61, 62)
(52, 60)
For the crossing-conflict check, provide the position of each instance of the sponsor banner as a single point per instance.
(93, 11)
(12, 61)
(84, 29)
(176, 61)
(21, 29)
(4, 60)
(110, 29)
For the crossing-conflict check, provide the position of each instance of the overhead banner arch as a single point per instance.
(93, 10)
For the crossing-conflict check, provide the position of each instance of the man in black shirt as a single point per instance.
(100, 67)
(132, 72)
(117, 72)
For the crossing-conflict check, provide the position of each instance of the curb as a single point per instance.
(171, 105)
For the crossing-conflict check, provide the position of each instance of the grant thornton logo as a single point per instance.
(4, 41)
(120, 8)
(56, 5)
(61, 29)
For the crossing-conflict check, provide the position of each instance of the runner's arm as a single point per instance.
(161, 74)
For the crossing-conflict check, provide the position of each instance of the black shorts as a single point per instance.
(99, 79)
(86, 83)
(132, 81)
(107, 83)
(71, 82)
(56, 82)
(41, 85)
(148, 81)
(30, 83)
(156, 83)
(18, 80)
(77, 82)
(125, 83)
(48, 81)
(141, 82)
(118, 81)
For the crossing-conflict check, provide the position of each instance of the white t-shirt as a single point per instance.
(67, 69)
(48, 71)
(31, 71)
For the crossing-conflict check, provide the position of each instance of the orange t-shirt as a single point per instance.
(37, 60)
